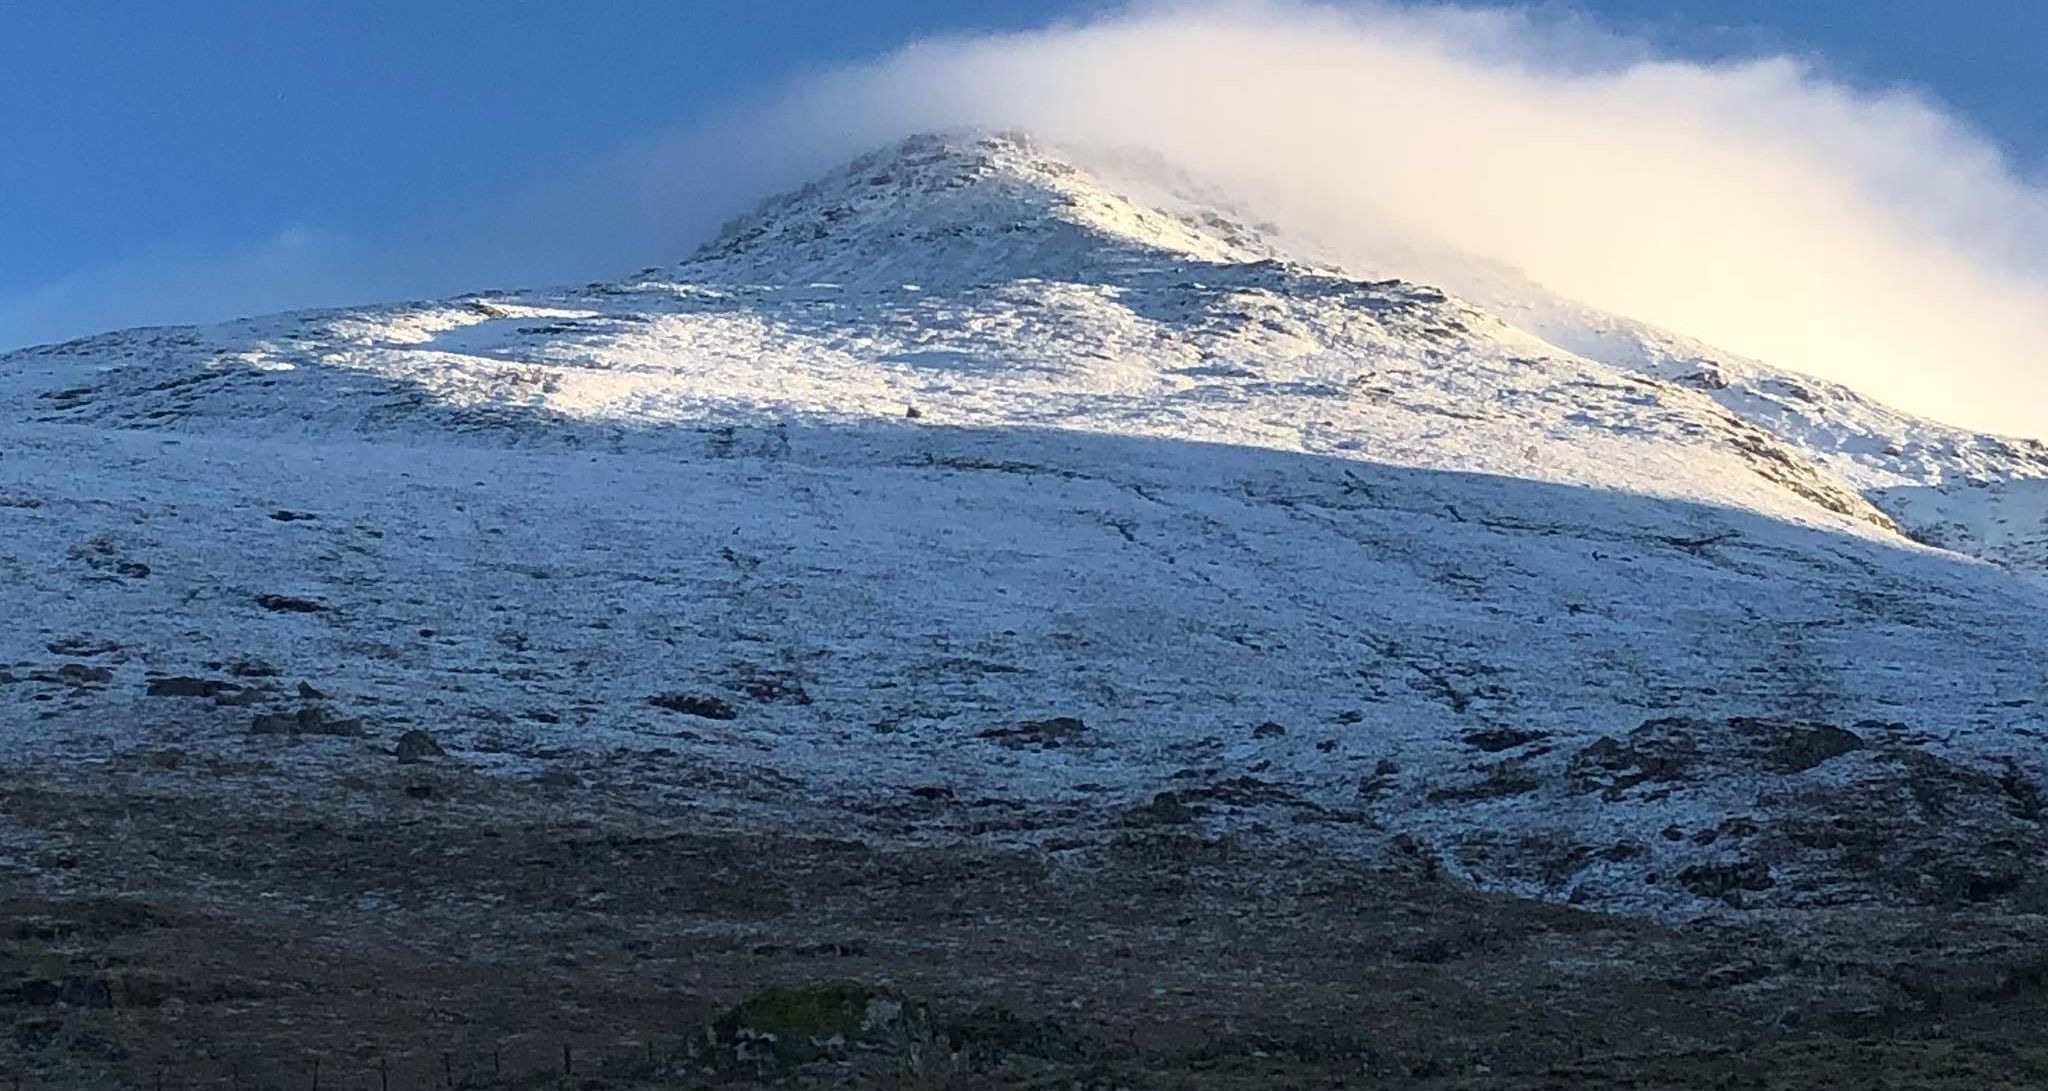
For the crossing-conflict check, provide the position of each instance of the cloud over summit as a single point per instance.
(1863, 236)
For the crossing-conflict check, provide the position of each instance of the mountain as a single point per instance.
(960, 501)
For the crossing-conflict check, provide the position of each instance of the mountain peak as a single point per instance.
(963, 208)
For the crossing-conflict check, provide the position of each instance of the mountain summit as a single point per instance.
(958, 210)
(959, 469)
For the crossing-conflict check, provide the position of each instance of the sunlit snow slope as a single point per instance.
(957, 439)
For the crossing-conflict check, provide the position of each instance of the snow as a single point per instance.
(1162, 477)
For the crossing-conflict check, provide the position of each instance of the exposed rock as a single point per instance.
(77, 675)
(2027, 801)
(1670, 749)
(1794, 813)
(1721, 880)
(185, 686)
(310, 720)
(417, 745)
(314, 720)
(1499, 781)
(1166, 809)
(1795, 748)
(1495, 740)
(81, 645)
(291, 604)
(1038, 734)
(782, 1027)
(1613, 766)
(1245, 792)
(1268, 730)
(236, 697)
(708, 708)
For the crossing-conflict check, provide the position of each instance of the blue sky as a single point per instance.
(146, 136)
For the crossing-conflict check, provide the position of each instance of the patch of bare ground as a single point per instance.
(425, 926)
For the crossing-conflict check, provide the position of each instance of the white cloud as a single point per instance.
(1862, 236)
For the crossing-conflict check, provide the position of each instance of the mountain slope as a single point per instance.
(959, 472)
(1946, 485)
(1977, 494)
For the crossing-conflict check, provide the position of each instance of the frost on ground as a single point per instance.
(1011, 536)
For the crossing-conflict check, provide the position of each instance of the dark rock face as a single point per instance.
(81, 645)
(183, 686)
(417, 745)
(290, 604)
(1166, 809)
(1721, 880)
(1500, 780)
(1795, 748)
(1658, 751)
(1038, 734)
(1783, 813)
(689, 704)
(1921, 829)
(76, 675)
(1495, 740)
(1672, 748)
(310, 720)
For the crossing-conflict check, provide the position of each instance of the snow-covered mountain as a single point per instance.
(959, 472)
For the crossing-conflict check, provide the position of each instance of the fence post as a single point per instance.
(384, 1073)
(568, 1069)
